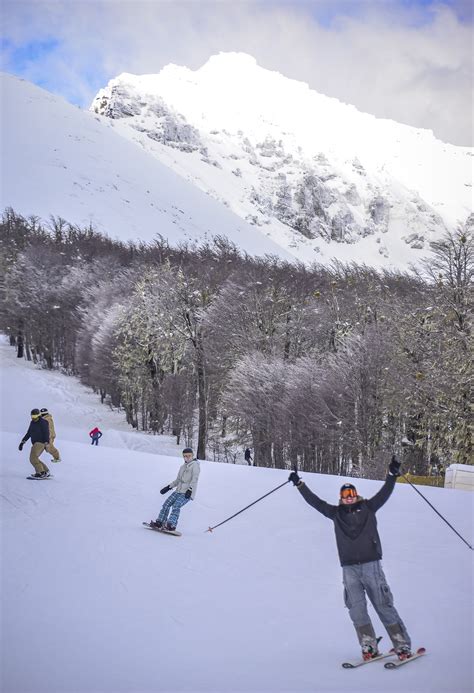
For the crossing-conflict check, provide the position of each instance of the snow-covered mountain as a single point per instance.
(60, 160)
(320, 177)
(232, 150)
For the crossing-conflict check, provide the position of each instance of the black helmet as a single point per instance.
(44, 411)
(35, 413)
(348, 491)
(187, 451)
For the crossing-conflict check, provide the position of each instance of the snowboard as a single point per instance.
(43, 478)
(163, 531)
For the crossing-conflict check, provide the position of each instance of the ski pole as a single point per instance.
(247, 507)
(438, 513)
(406, 443)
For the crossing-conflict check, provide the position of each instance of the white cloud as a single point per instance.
(412, 66)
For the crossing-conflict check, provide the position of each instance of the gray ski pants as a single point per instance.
(369, 579)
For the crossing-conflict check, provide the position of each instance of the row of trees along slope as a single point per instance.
(324, 366)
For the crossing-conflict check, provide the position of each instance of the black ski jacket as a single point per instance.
(38, 431)
(355, 525)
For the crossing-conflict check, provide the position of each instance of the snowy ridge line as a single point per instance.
(322, 178)
(82, 170)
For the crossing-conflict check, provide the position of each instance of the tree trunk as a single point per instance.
(202, 402)
(278, 455)
(224, 426)
(20, 345)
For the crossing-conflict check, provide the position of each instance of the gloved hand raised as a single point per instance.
(394, 466)
(20, 447)
(165, 490)
(188, 493)
(294, 478)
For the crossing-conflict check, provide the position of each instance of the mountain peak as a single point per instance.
(314, 172)
(232, 60)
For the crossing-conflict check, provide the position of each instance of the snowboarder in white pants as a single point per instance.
(360, 551)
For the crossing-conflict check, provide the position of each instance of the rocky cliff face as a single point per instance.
(311, 170)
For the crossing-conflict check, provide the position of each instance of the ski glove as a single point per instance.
(165, 489)
(394, 466)
(188, 493)
(294, 478)
(20, 447)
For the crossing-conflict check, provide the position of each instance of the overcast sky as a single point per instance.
(409, 60)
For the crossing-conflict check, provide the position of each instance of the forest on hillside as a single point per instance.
(326, 367)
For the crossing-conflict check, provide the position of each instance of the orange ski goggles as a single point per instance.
(348, 491)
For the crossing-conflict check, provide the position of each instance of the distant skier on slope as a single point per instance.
(52, 435)
(186, 485)
(248, 456)
(360, 551)
(38, 431)
(95, 434)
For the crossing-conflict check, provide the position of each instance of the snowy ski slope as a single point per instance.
(93, 603)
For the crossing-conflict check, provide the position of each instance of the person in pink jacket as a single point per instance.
(95, 434)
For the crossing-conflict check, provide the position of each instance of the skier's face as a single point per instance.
(348, 494)
(188, 456)
(349, 500)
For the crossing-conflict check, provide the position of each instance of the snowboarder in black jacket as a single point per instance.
(38, 431)
(360, 551)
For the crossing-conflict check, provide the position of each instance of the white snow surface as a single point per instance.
(60, 160)
(92, 602)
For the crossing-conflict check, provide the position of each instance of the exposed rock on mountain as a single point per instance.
(305, 162)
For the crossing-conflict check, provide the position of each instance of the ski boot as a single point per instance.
(403, 653)
(169, 527)
(156, 524)
(370, 652)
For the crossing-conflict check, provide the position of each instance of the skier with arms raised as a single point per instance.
(360, 551)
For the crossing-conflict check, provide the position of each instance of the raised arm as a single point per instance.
(321, 506)
(382, 496)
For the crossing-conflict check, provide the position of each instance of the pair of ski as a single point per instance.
(162, 530)
(389, 665)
